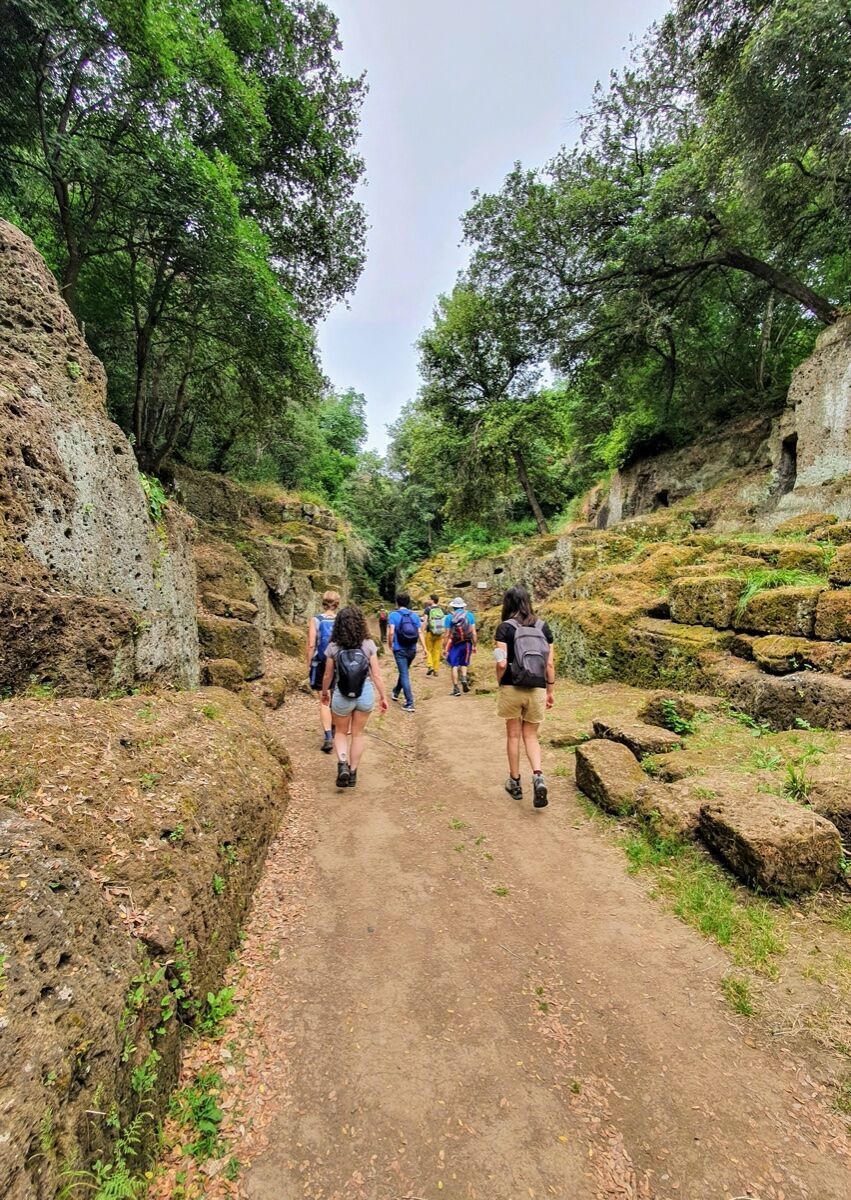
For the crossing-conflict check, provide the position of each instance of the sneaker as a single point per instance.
(539, 787)
(327, 745)
(344, 774)
(514, 788)
(394, 696)
(464, 684)
(353, 777)
(456, 691)
(408, 708)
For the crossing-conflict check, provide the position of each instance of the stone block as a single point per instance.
(786, 610)
(833, 616)
(705, 600)
(839, 534)
(221, 637)
(839, 571)
(608, 773)
(769, 843)
(290, 640)
(673, 811)
(224, 673)
(641, 739)
(656, 709)
(225, 606)
(780, 655)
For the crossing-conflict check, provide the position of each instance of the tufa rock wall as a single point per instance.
(263, 559)
(132, 834)
(94, 596)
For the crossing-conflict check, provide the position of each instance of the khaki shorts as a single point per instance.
(525, 704)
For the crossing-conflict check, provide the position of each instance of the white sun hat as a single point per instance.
(458, 603)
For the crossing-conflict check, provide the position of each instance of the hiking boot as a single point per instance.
(353, 777)
(464, 684)
(456, 691)
(344, 774)
(408, 708)
(514, 788)
(327, 744)
(539, 788)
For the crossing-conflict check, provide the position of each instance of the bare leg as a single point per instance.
(341, 737)
(358, 724)
(326, 717)
(533, 746)
(512, 733)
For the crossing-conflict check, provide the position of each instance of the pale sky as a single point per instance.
(458, 91)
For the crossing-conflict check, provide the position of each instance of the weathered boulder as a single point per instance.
(785, 610)
(833, 615)
(221, 637)
(76, 518)
(659, 708)
(223, 673)
(705, 600)
(608, 773)
(783, 655)
(289, 639)
(806, 522)
(132, 834)
(640, 738)
(770, 843)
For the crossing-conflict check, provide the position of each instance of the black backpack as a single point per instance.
(352, 672)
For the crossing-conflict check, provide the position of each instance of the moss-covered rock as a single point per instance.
(223, 673)
(225, 606)
(784, 610)
(608, 773)
(290, 639)
(839, 571)
(221, 637)
(833, 615)
(707, 600)
(806, 523)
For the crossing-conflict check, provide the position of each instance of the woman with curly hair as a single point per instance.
(356, 682)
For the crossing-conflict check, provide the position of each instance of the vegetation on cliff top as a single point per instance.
(664, 274)
(188, 171)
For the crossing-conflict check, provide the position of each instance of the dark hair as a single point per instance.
(517, 606)
(403, 599)
(435, 597)
(349, 628)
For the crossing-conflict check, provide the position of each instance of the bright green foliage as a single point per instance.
(188, 171)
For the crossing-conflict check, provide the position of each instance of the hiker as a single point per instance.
(318, 637)
(525, 672)
(351, 661)
(460, 640)
(404, 631)
(434, 616)
(382, 625)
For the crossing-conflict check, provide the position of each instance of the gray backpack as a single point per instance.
(531, 654)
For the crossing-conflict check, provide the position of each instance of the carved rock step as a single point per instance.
(770, 843)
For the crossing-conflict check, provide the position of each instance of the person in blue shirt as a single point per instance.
(459, 643)
(404, 633)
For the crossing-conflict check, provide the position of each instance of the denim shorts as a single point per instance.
(344, 706)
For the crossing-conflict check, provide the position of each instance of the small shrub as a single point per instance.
(673, 720)
(155, 495)
(219, 1006)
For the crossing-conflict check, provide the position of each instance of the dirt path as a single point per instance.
(464, 997)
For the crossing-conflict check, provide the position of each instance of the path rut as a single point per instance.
(473, 999)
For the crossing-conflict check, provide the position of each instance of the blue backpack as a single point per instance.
(324, 628)
(407, 631)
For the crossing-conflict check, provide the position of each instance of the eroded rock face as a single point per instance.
(76, 520)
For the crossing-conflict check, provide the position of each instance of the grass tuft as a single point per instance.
(737, 993)
(764, 578)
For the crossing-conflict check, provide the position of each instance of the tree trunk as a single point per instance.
(765, 341)
(820, 307)
(526, 484)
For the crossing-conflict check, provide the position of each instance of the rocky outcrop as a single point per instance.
(95, 594)
(131, 837)
(263, 559)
